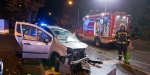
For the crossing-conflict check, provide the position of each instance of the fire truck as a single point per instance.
(101, 28)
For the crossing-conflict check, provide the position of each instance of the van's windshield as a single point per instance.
(63, 35)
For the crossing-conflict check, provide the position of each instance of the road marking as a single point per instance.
(138, 69)
(110, 53)
(110, 62)
(130, 59)
(103, 51)
(124, 63)
(142, 52)
(140, 62)
(103, 54)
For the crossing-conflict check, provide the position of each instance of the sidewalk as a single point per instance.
(142, 42)
(14, 65)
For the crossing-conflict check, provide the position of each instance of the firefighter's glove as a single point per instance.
(128, 43)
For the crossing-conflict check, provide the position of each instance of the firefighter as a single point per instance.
(122, 39)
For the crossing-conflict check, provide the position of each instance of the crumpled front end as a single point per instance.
(75, 61)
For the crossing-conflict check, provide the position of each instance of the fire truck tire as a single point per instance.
(97, 42)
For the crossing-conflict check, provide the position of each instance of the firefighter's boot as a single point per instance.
(120, 58)
(127, 58)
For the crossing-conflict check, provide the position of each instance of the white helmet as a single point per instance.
(122, 24)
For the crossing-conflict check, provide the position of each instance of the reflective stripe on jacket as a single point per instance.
(122, 37)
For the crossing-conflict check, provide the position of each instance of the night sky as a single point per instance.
(52, 6)
(55, 7)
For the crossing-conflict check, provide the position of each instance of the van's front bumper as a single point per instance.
(80, 60)
(75, 66)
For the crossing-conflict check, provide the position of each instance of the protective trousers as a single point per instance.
(122, 48)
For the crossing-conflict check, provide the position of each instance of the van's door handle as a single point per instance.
(19, 35)
(27, 43)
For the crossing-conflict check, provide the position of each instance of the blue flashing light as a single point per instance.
(42, 24)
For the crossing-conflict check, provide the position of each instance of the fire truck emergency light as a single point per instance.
(87, 16)
(102, 14)
(124, 16)
(118, 16)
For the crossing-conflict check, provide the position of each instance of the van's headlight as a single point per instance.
(69, 51)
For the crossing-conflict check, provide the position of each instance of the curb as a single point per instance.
(41, 67)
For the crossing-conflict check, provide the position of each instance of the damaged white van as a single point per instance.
(53, 43)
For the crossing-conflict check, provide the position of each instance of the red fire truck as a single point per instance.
(101, 28)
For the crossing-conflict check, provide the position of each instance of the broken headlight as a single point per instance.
(69, 51)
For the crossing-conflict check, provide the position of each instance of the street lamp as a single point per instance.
(105, 5)
(106, 1)
(70, 3)
(50, 15)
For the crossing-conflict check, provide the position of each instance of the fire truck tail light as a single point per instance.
(90, 32)
(111, 40)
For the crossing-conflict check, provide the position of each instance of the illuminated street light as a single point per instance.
(50, 15)
(105, 4)
(70, 2)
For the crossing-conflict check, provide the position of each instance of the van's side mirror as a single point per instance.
(46, 40)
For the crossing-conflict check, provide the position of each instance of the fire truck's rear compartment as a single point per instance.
(103, 26)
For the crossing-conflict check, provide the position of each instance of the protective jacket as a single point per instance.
(122, 37)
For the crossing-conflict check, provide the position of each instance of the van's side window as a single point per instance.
(33, 32)
(42, 36)
(29, 32)
(18, 28)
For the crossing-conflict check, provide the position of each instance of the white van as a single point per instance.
(50, 42)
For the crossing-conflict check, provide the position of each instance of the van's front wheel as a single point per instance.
(55, 61)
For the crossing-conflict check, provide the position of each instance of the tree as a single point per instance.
(69, 15)
(2, 9)
(24, 9)
(140, 12)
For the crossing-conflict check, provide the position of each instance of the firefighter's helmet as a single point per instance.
(122, 24)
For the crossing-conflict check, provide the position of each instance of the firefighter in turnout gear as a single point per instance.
(122, 39)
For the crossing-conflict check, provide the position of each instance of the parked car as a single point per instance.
(53, 43)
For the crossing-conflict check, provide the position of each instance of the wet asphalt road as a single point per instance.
(140, 57)
(139, 64)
